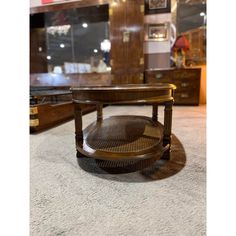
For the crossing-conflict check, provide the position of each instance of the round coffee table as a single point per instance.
(119, 138)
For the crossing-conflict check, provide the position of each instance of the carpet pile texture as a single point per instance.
(166, 199)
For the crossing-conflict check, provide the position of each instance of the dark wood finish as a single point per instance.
(43, 116)
(99, 112)
(38, 59)
(126, 34)
(124, 137)
(123, 94)
(50, 97)
(187, 81)
(156, 10)
(51, 107)
(126, 78)
(167, 127)
(155, 113)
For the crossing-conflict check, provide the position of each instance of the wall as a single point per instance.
(37, 3)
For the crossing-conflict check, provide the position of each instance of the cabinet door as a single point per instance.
(134, 47)
(117, 24)
(126, 34)
(134, 78)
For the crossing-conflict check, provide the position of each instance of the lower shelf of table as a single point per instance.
(122, 138)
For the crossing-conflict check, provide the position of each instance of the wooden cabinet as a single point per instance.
(50, 97)
(187, 82)
(126, 35)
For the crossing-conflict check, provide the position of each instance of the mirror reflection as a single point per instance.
(70, 41)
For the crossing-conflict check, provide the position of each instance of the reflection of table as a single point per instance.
(44, 94)
(124, 137)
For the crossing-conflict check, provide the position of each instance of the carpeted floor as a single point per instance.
(78, 198)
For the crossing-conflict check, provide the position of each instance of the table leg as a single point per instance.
(155, 112)
(167, 128)
(78, 126)
(99, 112)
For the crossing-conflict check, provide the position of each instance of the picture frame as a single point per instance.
(157, 6)
(157, 32)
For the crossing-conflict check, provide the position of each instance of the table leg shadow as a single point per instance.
(138, 170)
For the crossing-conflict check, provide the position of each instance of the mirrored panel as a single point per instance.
(191, 22)
(70, 41)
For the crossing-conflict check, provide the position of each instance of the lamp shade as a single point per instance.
(181, 43)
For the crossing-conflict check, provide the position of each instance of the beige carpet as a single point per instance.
(163, 200)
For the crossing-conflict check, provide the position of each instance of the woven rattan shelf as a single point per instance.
(120, 138)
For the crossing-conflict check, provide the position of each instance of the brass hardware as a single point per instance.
(34, 122)
(142, 8)
(184, 84)
(33, 110)
(110, 12)
(184, 95)
(141, 76)
(158, 76)
(126, 36)
(141, 61)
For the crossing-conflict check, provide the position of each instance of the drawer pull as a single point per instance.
(158, 76)
(184, 95)
(184, 85)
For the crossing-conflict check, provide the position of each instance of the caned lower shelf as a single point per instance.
(122, 138)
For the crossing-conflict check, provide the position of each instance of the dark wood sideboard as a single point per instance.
(186, 80)
(51, 98)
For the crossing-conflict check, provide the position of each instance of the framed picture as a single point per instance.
(157, 32)
(157, 6)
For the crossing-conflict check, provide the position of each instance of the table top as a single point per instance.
(48, 93)
(124, 94)
(126, 87)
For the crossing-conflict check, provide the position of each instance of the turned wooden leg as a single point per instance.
(167, 128)
(78, 127)
(99, 112)
(155, 112)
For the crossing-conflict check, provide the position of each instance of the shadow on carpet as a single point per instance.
(138, 171)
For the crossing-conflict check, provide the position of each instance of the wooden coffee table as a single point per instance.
(124, 137)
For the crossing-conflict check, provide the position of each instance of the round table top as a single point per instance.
(124, 94)
(126, 87)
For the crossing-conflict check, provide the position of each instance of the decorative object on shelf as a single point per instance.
(105, 48)
(157, 6)
(158, 32)
(60, 29)
(180, 47)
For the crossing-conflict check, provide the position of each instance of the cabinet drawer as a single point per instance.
(189, 74)
(188, 97)
(158, 76)
(186, 84)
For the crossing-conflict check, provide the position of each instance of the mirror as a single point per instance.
(191, 22)
(70, 40)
